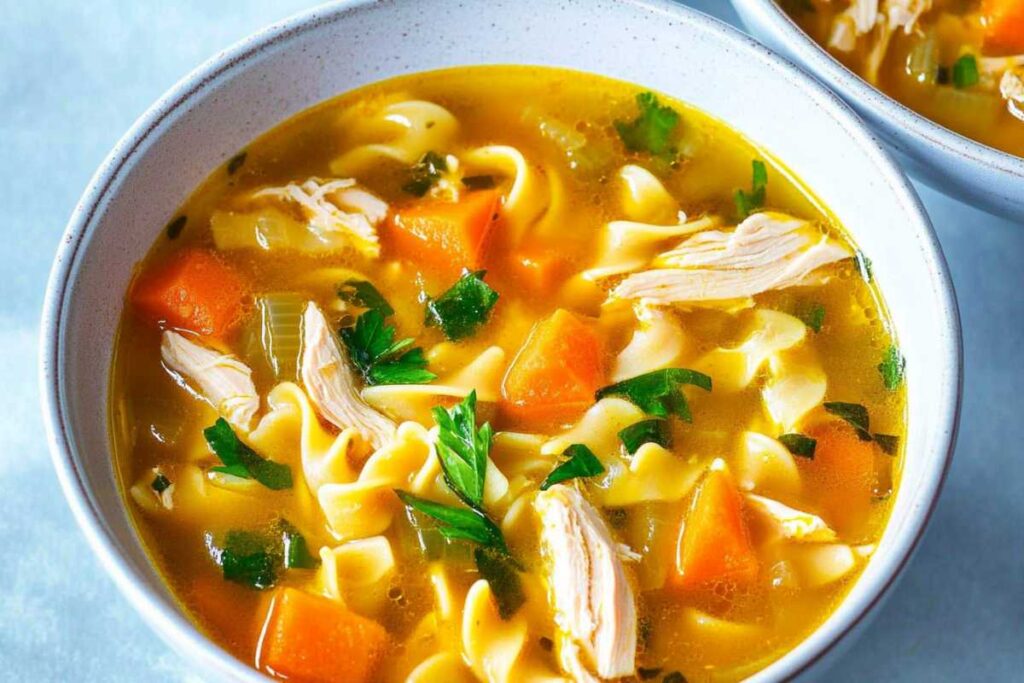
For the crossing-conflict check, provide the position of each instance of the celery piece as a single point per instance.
(281, 332)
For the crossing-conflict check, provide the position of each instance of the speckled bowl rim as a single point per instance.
(853, 87)
(176, 629)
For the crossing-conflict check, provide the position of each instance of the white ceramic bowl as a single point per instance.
(251, 87)
(970, 171)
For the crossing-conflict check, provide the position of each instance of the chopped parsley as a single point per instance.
(457, 522)
(463, 449)
(160, 483)
(500, 571)
(378, 357)
(659, 393)
(294, 549)
(464, 307)
(813, 316)
(236, 162)
(362, 293)
(581, 463)
(965, 72)
(241, 461)
(857, 417)
(253, 558)
(749, 202)
(864, 266)
(425, 173)
(652, 131)
(175, 227)
(891, 368)
(799, 444)
(646, 431)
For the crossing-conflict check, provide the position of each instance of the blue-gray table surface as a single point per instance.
(75, 75)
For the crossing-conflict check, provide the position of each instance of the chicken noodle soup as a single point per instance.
(958, 62)
(569, 383)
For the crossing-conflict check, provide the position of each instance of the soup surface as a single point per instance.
(958, 62)
(506, 373)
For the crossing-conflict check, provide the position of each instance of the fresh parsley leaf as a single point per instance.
(854, 414)
(652, 130)
(864, 266)
(965, 72)
(658, 393)
(160, 483)
(499, 570)
(458, 523)
(378, 357)
(891, 368)
(236, 162)
(581, 463)
(246, 558)
(463, 449)
(646, 431)
(799, 444)
(241, 461)
(813, 316)
(425, 173)
(464, 307)
(478, 182)
(888, 443)
(364, 294)
(294, 549)
(749, 202)
(175, 227)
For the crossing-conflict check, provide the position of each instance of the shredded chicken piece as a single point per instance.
(223, 381)
(766, 251)
(332, 386)
(1011, 87)
(335, 206)
(590, 593)
(863, 16)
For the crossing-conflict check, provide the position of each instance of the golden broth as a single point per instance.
(923, 80)
(157, 424)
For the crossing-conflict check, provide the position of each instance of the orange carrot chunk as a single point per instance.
(539, 269)
(557, 371)
(193, 291)
(714, 543)
(1004, 26)
(447, 236)
(841, 476)
(310, 638)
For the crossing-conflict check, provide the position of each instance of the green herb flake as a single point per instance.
(891, 368)
(458, 523)
(499, 570)
(581, 463)
(965, 72)
(749, 202)
(248, 559)
(799, 444)
(362, 293)
(236, 162)
(646, 431)
(379, 358)
(651, 131)
(478, 182)
(425, 173)
(160, 483)
(889, 444)
(813, 316)
(658, 393)
(464, 307)
(463, 449)
(175, 227)
(854, 414)
(241, 461)
(864, 266)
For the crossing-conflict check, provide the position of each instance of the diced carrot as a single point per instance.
(1004, 26)
(539, 269)
(312, 639)
(841, 476)
(555, 374)
(714, 543)
(219, 603)
(448, 236)
(193, 291)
